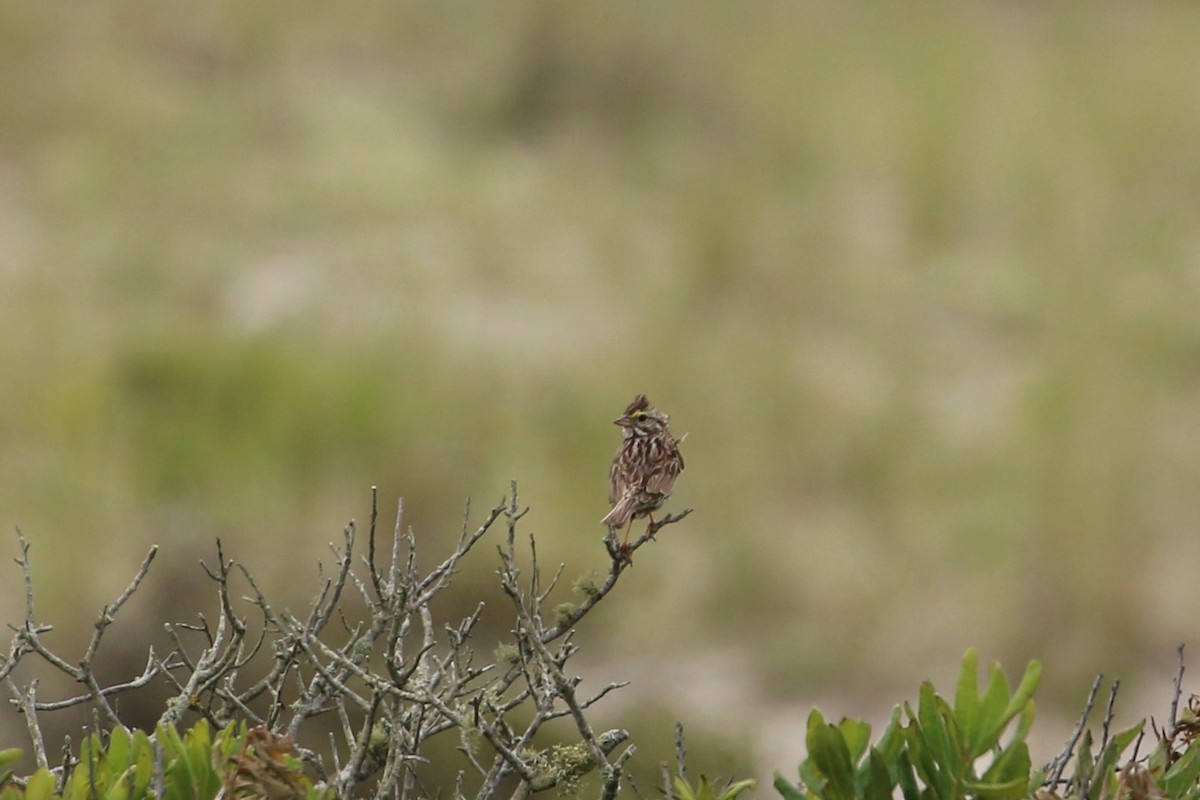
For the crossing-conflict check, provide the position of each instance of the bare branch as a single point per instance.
(1054, 769)
(398, 676)
(680, 752)
(26, 703)
(152, 670)
(1108, 712)
(1177, 690)
(372, 568)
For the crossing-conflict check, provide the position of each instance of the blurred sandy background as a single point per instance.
(919, 282)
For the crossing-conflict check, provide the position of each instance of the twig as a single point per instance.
(619, 562)
(680, 752)
(372, 569)
(565, 689)
(1108, 712)
(28, 637)
(612, 783)
(1177, 690)
(1054, 769)
(152, 670)
(23, 561)
(26, 703)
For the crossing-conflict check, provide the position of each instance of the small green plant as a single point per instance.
(678, 787)
(197, 764)
(932, 753)
(709, 790)
(944, 752)
(124, 768)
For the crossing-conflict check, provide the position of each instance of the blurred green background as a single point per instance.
(919, 281)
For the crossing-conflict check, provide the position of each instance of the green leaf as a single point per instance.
(786, 788)
(906, 779)
(931, 726)
(198, 743)
(1126, 737)
(941, 753)
(230, 740)
(117, 753)
(919, 759)
(9, 755)
(1183, 773)
(1084, 761)
(857, 735)
(1009, 790)
(1025, 689)
(966, 699)
(684, 791)
(90, 772)
(1025, 722)
(40, 786)
(1011, 764)
(1160, 757)
(142, 755)
(119, 788)
(1105, 770)
(878, 783)
(992, 711)
(89, 748)
(707, 790)
(734, 789)
(830, 757)
(892, 741)
(810, 780)
(170, 741)
(811, 777)
(183, 770)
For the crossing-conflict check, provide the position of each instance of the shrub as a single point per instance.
(395, 677)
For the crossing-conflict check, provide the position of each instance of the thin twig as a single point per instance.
(680, 752)
(26, 703)
(372, 569)
(619, 562)
(1108, 712)
(1177, 690)
(1054, 769)
(152, 670)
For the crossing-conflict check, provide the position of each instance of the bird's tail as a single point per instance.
(619, 516)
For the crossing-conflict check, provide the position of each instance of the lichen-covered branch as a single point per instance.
(393, 674)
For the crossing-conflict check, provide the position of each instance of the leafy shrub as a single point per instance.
(945, 752)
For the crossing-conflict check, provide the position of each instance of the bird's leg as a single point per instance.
(626, 550)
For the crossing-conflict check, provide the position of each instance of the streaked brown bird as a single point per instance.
(645, 467)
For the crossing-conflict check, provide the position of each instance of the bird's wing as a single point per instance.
(662, 479)
(615, 490)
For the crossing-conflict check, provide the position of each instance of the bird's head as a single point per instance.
(642, 419)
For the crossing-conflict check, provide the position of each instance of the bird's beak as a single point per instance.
(624, 422)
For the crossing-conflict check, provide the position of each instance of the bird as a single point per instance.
(645, 467)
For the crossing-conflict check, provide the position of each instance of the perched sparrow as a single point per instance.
(645, 467)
